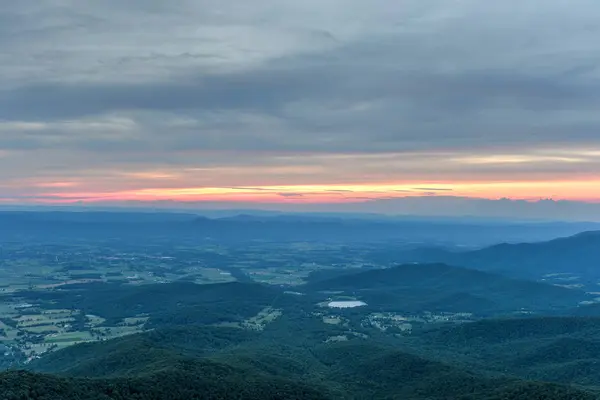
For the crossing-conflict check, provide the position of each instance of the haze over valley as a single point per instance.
(174, 304)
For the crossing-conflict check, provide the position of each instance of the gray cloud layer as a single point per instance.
(189, 83)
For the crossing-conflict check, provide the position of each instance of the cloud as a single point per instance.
(434, 189)
(293, 195)
(271, 92)
(255, 189)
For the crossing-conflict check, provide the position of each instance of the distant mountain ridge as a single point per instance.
(280, 228)
(578, 254)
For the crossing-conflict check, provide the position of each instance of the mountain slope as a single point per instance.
(372, 369)
(188, 380)
(178, 303)
(493, 331)
(557, 349)
(579, 254)
(354, 370)
(139, 353)
(439, 287)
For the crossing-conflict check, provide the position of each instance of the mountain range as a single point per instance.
(178, 227)
(577, 255)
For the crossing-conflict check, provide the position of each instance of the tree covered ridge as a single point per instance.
(183, 383)
(214, 363)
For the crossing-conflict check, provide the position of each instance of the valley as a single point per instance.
(309, 317)
(54, 296)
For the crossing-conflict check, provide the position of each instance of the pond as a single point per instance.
(346, 304)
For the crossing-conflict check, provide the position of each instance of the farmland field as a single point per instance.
(32, 273)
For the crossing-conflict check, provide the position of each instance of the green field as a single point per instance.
(262, 319)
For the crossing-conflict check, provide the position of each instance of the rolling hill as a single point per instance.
(440, 287)
(179, 381)
(136, 354)
(177, 303)
(558, 349)
(172, 364)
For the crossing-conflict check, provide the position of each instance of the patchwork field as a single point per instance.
(35, 327)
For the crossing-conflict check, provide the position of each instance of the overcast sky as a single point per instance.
(301, 101)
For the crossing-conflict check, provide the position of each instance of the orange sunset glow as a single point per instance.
(584, 190)
(374, 109)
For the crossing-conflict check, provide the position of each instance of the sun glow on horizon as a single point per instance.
(62, 192)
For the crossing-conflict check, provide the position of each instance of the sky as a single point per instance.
(299, 102)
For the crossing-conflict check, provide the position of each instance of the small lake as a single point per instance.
(346, 304)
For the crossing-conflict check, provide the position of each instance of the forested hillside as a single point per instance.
(576, 255)
(213, 363)
(440, 287)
